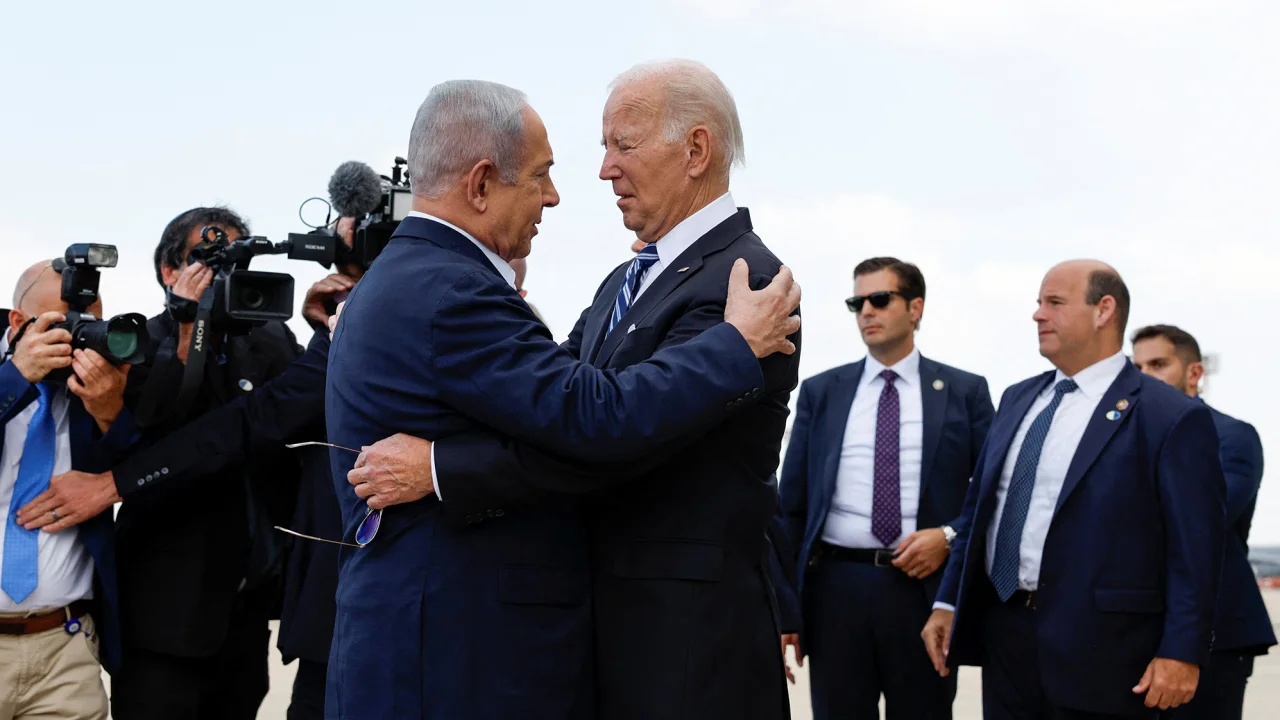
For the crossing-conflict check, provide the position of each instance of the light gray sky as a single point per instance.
(984, 140)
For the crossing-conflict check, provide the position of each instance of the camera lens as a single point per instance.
(122, 343)
(251, 298)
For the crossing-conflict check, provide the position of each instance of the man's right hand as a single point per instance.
(763, 317)
(313, 310)
(937, 639)
(193, 281)
(41, 350)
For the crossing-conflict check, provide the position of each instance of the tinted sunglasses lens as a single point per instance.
(854, 304)
(368, 527)
(880, 300)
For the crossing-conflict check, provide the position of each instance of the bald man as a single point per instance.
(57, 590)
(1084, 581)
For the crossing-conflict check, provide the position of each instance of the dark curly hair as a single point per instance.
(172, 250)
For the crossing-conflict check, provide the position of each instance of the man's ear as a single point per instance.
(698, 150)
(169, 275)
(480, 182)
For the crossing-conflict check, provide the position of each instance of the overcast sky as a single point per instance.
(983, 140)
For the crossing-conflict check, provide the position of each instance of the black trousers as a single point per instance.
(863, 641)
(1011, 686)
(227, 686)
(307, 702)
(1220, 694)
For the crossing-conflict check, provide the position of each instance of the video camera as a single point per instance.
(244, 298)
(123, 338)
(378, 203)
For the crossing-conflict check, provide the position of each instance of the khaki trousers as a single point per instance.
(52, 676)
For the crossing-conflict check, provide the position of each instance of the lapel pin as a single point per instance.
(1122, 405)
(246, 386)
(938, 384)
(686, 267)
(1113, 415)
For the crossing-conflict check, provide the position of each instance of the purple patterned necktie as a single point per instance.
(886, 499)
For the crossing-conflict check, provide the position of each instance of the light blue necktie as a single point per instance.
(631, 284)
(1004, 569)
(21, 546)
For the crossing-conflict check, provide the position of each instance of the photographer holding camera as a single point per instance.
(199, 563)
(61, 407)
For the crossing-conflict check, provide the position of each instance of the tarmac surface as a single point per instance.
(1262, 702)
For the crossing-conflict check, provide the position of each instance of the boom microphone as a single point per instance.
(355, 189)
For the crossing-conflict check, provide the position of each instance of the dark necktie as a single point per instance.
(631, 284)
(886, 499)
(1017, 503)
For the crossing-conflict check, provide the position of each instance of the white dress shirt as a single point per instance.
(848, 521)
(506, 271)
(65, 568)
(685, 234)
(1065, 434)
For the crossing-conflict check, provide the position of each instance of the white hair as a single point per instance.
(694, 96)
(459, 124)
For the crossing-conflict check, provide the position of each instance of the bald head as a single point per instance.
(34, 283)
(1082, 313)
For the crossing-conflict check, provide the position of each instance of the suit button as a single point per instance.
(756, 393)
(728, 405)
(150, 477)
(498, 513)
(488, 513)
(141, 482)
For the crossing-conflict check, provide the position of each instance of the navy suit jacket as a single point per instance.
(1243, 626)
(91, 452)
(1131, 561)
(288, 408)
(957, 415)
(492, 620)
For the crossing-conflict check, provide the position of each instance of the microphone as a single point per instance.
(355, 189)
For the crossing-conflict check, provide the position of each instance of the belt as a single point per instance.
(46, 621)
(879, 558)
(1023, 598)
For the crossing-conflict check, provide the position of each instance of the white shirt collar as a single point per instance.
(498, 263)
(908, 368)
(671, 245)
(1095, 380)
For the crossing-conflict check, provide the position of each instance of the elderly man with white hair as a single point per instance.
(490, 617)
(684, 619)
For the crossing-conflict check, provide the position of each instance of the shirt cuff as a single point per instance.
(944, 606)
(435, 479)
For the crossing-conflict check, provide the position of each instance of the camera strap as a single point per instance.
(197, 352)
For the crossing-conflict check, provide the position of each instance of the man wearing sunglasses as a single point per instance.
(880, 456)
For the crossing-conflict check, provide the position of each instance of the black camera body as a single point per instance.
(123, 338)
(244, 298)
(376, 202)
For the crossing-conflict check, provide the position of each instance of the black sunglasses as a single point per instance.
(879, 300)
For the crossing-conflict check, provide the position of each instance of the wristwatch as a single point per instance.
(949, 533)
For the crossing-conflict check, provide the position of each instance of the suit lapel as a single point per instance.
(933, 399)
(601, 311)
(671, 278)
(1002, 433)
(1100, 430)
(838, 408)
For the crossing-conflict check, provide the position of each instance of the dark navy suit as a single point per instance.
(1131, 562)
(685, 620)
(91, 452)
(841, 600)
(1242, 629)
(492, 620)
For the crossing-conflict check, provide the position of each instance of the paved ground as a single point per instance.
(1262, 702)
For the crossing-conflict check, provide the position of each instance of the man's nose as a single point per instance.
(551, 197)
(608, 168)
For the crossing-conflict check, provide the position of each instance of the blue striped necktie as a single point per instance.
(1017, 503)
(631, 284)
(22, 547)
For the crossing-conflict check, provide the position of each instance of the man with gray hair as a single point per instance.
(493, 620)
(684, 618)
